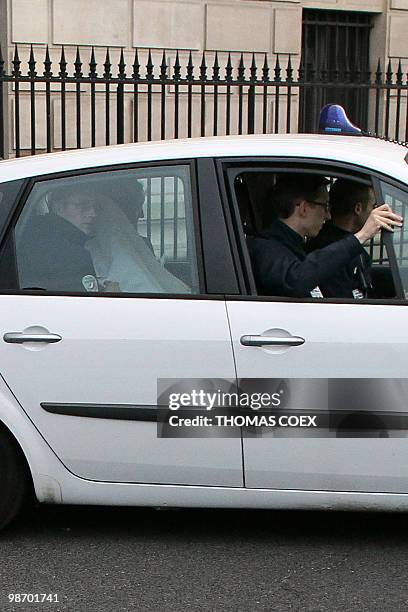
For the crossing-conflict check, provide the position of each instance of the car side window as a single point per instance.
(123, 231)
(299, 227)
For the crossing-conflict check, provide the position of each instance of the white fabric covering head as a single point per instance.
(120, 254)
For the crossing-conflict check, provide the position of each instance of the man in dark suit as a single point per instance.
(51, 254)
(280, 263)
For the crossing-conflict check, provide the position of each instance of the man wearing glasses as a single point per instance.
(52, 255)
(281, 265)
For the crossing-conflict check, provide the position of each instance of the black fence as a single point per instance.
(132, 103)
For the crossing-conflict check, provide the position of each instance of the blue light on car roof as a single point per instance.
(333, 120)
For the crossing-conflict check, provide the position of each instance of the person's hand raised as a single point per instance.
(381, 217)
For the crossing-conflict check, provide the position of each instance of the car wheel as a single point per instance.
(13, 478)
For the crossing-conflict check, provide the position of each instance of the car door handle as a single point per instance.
(20, 338)
(272, 341)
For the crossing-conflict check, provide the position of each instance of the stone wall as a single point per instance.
(260, 26)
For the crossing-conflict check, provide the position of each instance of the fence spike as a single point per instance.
(92, 65)
(216, 68)
(378, 74)
(277, 69)
(400, 74)
(47, 63)
(78, 65)
(16, 63)
(149, 67)
(203, 69)
(228, 69)
(289, 70)
(121, 66)
(63, 64)
(389, 73)
(265, 70)
(190, 68)
(177, 68)
(107, 65)
(253, 69)
(241, 69)
(136, 66)
(163, 67)
(31, 64)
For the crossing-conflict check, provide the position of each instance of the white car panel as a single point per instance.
(112, 352)
(375, 154)
(341, 341)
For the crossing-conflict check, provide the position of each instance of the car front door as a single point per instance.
(342, 361)
(84, 344)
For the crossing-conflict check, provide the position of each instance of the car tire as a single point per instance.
(13, 478)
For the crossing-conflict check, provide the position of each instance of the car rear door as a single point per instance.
(85, 365)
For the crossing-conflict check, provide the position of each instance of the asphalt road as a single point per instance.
(98, 559)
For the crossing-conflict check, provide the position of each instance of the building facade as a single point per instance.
(355, 34)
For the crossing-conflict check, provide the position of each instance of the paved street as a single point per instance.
(98, 559)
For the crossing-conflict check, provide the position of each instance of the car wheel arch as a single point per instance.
(20, 492)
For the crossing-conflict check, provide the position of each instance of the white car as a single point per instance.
(95, 320)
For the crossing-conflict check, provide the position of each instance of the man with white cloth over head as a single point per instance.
(120, 255)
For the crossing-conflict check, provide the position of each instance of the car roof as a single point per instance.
(371, 153)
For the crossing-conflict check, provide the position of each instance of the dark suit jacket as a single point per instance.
(51, 255)
(355, 275)
(282, 267)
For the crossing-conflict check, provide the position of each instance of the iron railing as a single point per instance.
(179, 101)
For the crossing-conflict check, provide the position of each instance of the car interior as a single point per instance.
(252, 192)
